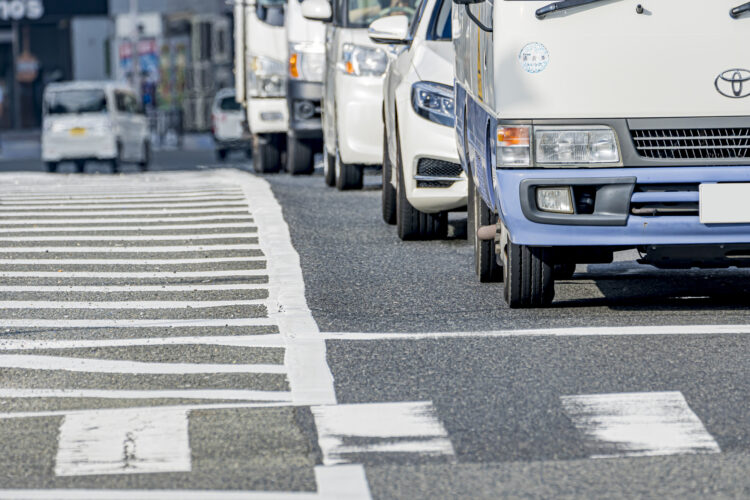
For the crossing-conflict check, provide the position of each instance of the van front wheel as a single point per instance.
(529, 276)
(51, 166)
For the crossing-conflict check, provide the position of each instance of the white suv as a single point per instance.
(353, 81)
(422, 174)
(93, 121)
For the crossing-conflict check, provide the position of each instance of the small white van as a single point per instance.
(93, 121)
(229, 125)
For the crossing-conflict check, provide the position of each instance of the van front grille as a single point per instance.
(693, 143)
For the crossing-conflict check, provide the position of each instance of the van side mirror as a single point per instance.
(467, 2)
(317, 10)
(390, 29)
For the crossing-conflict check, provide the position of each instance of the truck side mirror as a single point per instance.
(317, 10)
(467, 2)
(390, 29)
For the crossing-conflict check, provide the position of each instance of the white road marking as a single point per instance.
(92, 212)
(107, 206)
(215, 394)
(590, 331)
(144, 237)
(122, 220)
(144, 304)
(380, 427)
(90, 494)
(133, 275)
(342, 482)
(131, 262)
(132, 288)
(638, 424)
(90, 365)
(267, 340)
(133, 323)
(90, 229)
(123, 441)
(114, 200)
(130, 249)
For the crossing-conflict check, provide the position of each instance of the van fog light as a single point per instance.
(554, 199)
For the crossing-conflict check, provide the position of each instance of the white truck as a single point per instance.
(260, 77)
(590, 126)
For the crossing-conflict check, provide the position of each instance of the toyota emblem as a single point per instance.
(734, 83)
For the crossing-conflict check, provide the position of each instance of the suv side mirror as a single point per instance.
(390, 29)
(317, 10)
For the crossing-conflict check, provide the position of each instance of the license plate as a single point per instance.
(724, 203)
(78, 131)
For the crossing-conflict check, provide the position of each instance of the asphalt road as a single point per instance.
(633, 385)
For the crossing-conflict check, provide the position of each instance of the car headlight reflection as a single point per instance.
(434, 101)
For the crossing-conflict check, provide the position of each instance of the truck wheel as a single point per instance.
(51, 166)
(529, 280)
(299, 156)
(146, 159)
(329, 169)
(411, 224)
(267, 158)
(485, 257)
(389, 192)
(348, 176)
(221, 154)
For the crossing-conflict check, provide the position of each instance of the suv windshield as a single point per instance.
(76, 101)
(362, 12)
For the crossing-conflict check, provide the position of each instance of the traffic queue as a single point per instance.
(569, 130)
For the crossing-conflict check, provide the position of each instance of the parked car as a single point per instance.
(600, 127)
(353, 86)
(93, 121)
(229, 125)
(422, 177)
(304, 89)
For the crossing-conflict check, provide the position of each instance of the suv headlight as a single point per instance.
(307, 61)
(266, 77)
(556, 146)
(434, 101)
(358, 60)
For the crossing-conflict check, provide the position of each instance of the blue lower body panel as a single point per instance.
(636, 230)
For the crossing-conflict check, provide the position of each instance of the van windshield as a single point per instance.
(271, 11)
(362, 12)
(62, 102)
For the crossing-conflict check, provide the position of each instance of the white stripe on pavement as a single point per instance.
(134, 323)
(267, 340)
(213, 394)
(144, 237)
(79, 200)
(90, 494)
(106, 206)
(133, 288)
(125, 220)
(638, 424)
(130, 249)
(90, 365)
(134, 275)
(90, 213)
(411, 427)
(123, 441)
(78, 229)
(130, 262)
(125, 304)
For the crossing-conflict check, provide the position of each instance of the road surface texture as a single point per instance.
(201, 332)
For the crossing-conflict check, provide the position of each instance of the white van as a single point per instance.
(261, 66)
(229, 125)
(590, 126)
(93, 121)
(353, 85)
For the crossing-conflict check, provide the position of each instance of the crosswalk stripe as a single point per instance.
(125, 206)
(638, 424)
(134, 288)
(82, 198)
(268, 340)
(6, 201)
(79, 229)
(123, 441)
(134, 275)
(90, 365)
(134, 323)
(144, 237)
(132, 262)
(209, 394)
(135, 211)
(130, 494)
(144, 304)
(131, 249)
(122, 221)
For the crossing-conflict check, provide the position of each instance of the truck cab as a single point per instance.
(591, 126)
(261, 58)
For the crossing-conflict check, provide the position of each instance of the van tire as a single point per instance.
(146, 160)
(529, 276)
(300, 156)
(329, 169)
(221, 154)
(485, 258)
(267, 158)
(388, 195)
(348, 176)
(116, 161)
(80, 166)
(51, 166)
(411, 224)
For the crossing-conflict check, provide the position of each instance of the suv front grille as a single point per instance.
(693, 143)
(436, 173)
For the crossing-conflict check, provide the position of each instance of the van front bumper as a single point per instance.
(61, 147)
(618, 219)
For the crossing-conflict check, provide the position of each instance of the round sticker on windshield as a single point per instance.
(534, 58)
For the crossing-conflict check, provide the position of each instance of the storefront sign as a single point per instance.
(17, 10)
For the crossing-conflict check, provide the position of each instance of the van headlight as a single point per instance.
(307, 61)
(358, 60)
(575, 146)
(434, 101)
(266, 77)
(556, 146)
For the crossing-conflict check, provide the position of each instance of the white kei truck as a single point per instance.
(260, 65)
(592, 126)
